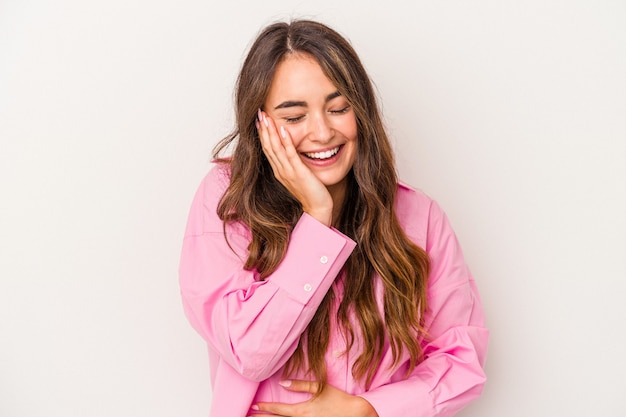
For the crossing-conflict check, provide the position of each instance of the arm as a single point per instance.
(452, 374)
(253, 325)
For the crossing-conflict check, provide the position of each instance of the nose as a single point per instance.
(320, 129)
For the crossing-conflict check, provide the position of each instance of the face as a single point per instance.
(319, 120)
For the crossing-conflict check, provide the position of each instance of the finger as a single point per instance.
(262, 128)
(277, 409)
(298, 385)
(271, 143)
(264, 415)
(271, 134)
(282, 145)
(290, 150)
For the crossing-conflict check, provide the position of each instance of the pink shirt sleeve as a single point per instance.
(452, 374)
(253, 325)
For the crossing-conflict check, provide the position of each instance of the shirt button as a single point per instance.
(308, 287)
(323, 259)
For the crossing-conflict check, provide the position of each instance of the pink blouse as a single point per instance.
(252, 327)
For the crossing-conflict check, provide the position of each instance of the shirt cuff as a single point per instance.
(315, 256)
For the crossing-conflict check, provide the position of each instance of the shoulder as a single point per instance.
(214, 184)
(417, 212)
(203, 213)
(218, 175)
(408, 196)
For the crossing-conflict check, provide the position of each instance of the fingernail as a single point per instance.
(282, 132)
(256, 123)
(267, 124)
(258, 115)
(285, 383)
(255, 407)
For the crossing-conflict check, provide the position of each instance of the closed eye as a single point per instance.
(293, 119)
(341, 111)
(296, 119)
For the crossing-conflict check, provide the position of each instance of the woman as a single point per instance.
(322, 286)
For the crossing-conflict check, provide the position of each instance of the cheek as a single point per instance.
(350, 129)
(352, 135)
(295, 132)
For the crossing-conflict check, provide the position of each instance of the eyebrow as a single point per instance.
(287, 104)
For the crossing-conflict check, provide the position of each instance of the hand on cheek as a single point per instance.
(291, 172)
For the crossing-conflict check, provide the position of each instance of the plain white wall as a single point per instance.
(511, 114)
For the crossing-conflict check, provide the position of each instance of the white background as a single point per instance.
(512, 114)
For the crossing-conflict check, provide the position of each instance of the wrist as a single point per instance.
(323, 216)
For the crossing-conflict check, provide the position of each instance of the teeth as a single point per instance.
(323, 155)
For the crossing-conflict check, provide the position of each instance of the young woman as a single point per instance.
(323, 286)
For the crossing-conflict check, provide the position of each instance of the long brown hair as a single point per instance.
(257, 199)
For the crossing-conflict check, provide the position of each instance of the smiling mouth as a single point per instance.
(322, 155)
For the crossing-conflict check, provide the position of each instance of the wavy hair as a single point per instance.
(256, 198)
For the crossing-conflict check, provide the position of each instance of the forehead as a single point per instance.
(299, 77)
